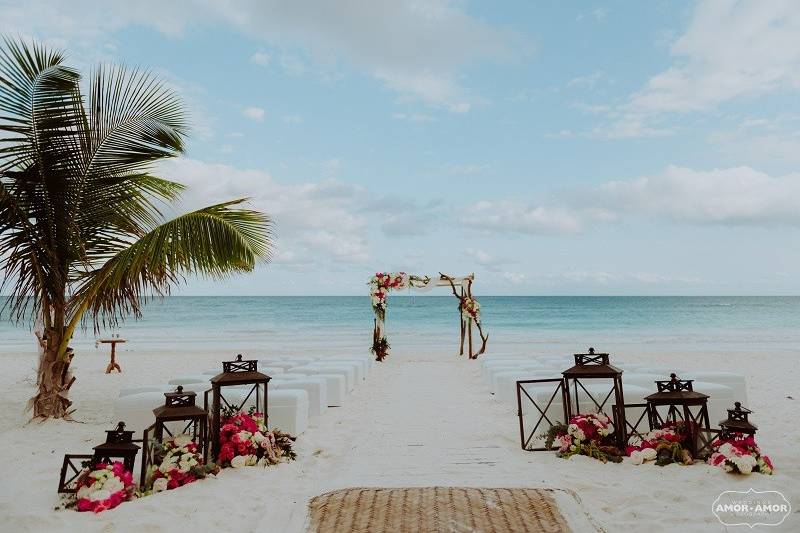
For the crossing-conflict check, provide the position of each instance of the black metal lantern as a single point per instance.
(242, 374)
(180, 415)
(684, 404)
(118, 445)
(737, 422)
(592, 368)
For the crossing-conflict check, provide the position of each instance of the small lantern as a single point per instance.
(737, 422)
(685, 404)
(118, 445)
(243, 375)
(179, 415)
(595, 367)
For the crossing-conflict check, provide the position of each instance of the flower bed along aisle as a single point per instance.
(739, 454)
(177, 463)
(103, 486)
(590, 434)
(245, 441)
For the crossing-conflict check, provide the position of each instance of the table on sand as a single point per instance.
(113, 364)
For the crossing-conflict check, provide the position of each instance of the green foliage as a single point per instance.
(81, 222)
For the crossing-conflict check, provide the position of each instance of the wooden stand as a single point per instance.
(113, 364)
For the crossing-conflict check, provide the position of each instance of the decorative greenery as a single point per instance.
(82, 233)
(380, 347)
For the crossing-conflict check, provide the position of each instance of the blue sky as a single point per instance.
(550, 147)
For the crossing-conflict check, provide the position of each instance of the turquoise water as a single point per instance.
(537, 324)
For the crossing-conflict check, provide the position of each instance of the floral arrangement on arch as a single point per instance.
(470, 308)
(177, 463)
(245, 441)
(739, 455)
(103, 486)
(379, 286)
(589, 434)
(664, 445)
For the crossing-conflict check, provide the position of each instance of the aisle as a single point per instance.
(431, 420)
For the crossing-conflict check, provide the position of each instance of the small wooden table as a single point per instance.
(113, 364)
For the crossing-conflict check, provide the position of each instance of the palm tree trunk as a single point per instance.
(54, 377)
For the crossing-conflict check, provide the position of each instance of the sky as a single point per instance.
(560, 148)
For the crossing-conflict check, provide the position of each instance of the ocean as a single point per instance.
(273, 325)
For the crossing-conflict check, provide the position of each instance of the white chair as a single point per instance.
(362, 363)
(284, 365)
(288, 410)
(317, 389)
(346, 369)
(494, 371)
(294, 375)
(505, 383)
(136, 410)
(736, 382)
(138, 390)
(337, 388)
(191, 380)
(322, 371)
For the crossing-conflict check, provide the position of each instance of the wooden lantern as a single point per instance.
(118, 446)
(243, 375)
(591, 368)
(682, 403)
(737, 422)
(180, 415)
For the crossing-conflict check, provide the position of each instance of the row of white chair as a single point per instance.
(501, 374)
(299, 388)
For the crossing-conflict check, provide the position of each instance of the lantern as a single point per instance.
(685, 404)
(737, 422)
(118, 445)
(179, 415)
(243, 384)
(591, 368)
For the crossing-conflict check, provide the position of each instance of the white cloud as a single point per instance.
(314, 222)
(415, 49)
(292, 119)
(731, 49)
(261, 58)
(588, 81)
(466, 169)
(517, 217)
(253, 113)
(413, 117)
(739, 195)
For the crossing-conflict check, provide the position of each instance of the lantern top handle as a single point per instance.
(674, 384)
(591, 358)
(240, 365)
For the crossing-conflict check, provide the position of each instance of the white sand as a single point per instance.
(416, 421)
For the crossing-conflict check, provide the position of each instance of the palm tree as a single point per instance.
(82, 235)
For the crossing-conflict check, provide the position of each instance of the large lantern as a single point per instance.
(180, 415)
(240, 384)
(737, 422)
(118, 445)
(677, 401)
(595, 385)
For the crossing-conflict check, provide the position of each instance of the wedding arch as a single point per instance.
(382, 283)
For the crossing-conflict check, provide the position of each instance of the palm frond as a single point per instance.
(215, 241)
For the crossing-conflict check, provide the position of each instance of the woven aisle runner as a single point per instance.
(440, 509)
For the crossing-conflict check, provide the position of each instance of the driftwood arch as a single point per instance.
(382, 283)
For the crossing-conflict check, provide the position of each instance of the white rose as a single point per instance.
(251, 460)
(245, 435)
(239, 461)
(84, 492)
(649, 454)
(637, 458)
(100, 495)
(258, 437)
(160, 485)
(113, 485)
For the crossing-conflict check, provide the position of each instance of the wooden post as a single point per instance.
(463, 326)
(470, 338)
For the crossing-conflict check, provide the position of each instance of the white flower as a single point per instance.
(258, 437)
(637, 457)
(182, 440)
(251, 460)
(262, 462)
(244, 435)
(160, 484)
(649, 454)
(113, 484)
(84, 492)
(239, 461)
(100, 495)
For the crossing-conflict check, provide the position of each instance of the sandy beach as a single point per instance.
(418, 420)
